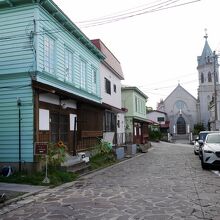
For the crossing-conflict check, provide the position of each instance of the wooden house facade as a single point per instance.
(49, 81)
(136, 122)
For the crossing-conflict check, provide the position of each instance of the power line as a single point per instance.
(167, 87)
(102, 21)
(167, 80)
(118, 18)
(122, 13)
(149, 90)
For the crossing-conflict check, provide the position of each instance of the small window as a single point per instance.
(68, 64)
(136, 104)
(202, 78)
(118, 123)
(160, 119)
(83, 74)
(110, 121)
(115, 90)
(94, 80)
(49, 54)
(209, 77)
(107, 86)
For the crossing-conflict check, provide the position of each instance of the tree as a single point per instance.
(198, 127)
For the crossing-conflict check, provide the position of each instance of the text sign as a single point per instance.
(41, 148)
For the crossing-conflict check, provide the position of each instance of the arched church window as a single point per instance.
(208, 98)
(202, 78)
(209, 77)
(208, 60)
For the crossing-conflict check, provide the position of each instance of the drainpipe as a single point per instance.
(19, 131)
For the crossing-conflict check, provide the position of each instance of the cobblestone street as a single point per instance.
(165, 183)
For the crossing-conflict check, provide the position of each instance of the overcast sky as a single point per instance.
(157, 50)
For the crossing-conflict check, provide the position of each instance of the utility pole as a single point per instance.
(215, 91)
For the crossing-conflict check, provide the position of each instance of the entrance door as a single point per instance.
(137, 133)
(59, 127)
(181, 125)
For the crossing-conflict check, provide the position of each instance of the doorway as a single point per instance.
(181, 125)
(137, 133)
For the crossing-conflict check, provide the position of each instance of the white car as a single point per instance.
(210, 150)
(202, 136)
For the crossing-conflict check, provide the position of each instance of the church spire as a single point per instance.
(206, 56)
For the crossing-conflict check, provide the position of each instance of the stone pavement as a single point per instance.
(165, 183)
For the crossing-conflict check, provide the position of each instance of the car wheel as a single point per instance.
(204, 165)
(200, 154)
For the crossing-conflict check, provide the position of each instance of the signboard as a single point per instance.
(40, 148)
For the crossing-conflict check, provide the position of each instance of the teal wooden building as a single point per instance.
(49, 81)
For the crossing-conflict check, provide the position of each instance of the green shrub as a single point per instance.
(102, 155)
(155, 135)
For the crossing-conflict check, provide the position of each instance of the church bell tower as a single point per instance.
(208, 76)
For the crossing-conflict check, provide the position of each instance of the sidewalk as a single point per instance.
(20, 187)
(15, 192)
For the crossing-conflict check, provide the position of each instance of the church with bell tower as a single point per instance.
(184, 110)
(208, 82)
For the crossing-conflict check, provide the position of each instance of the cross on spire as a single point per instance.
(206, 34)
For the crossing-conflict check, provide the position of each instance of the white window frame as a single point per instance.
(68, 64)
(94, 80)
(83, 70)
(49, 54)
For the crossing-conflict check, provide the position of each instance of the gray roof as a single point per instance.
(179, 86)
(134, 88)
(206, 56)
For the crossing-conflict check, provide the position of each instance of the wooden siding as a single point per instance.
(17, 62)
(129, 102)
(16, 49)
(63, 39)
(16, 54)
(10, 89)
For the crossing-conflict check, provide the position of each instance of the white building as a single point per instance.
(111, 75)
(159, 118)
